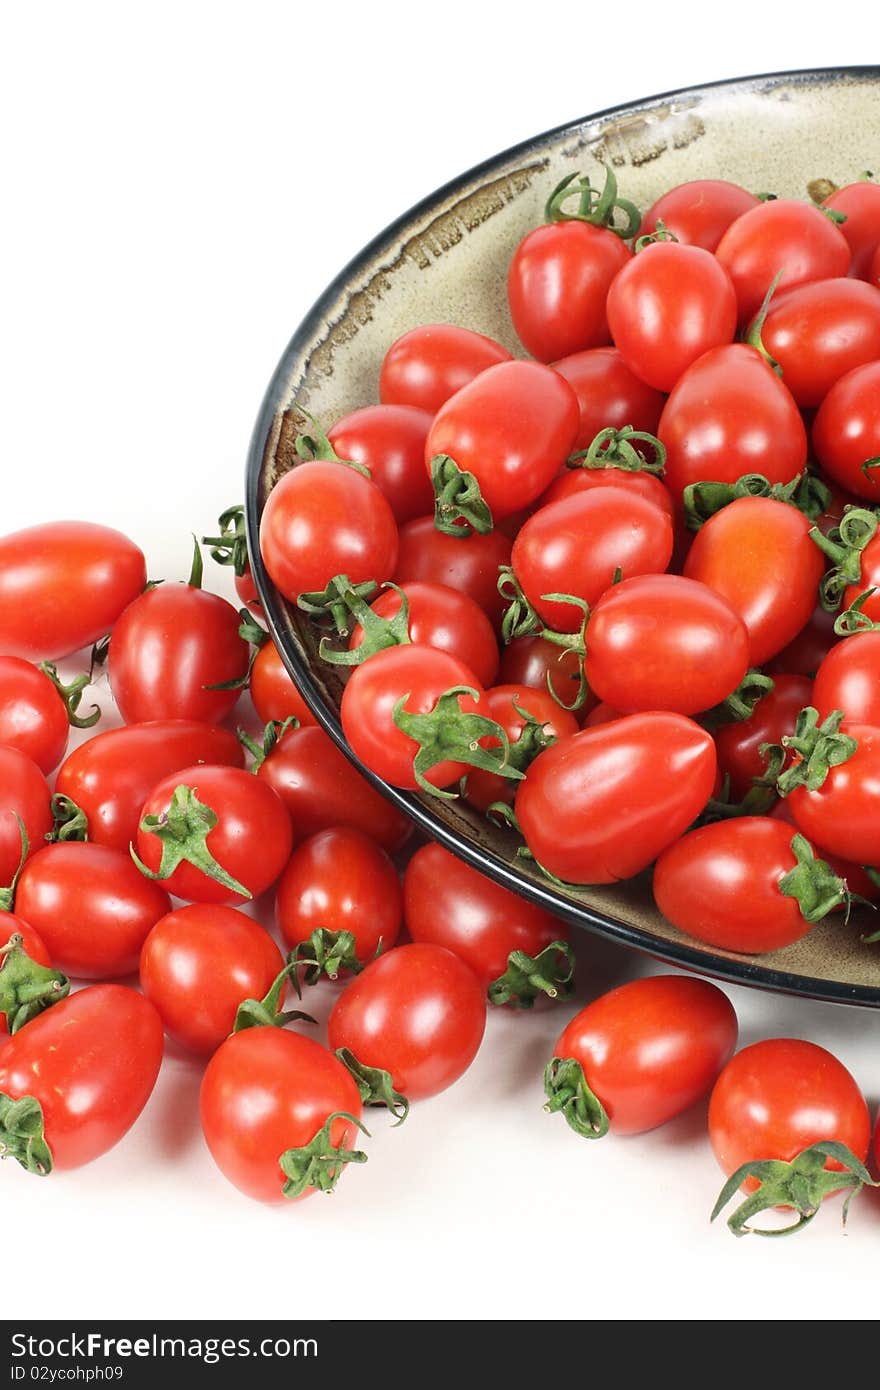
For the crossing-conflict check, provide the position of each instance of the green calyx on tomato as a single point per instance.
(317, 446)
(378, 632)
(272, 736)
(812, 883)
(334, 602)
(660, 233)
(250, 631)
(598, 209)
(551, 972)
(459, 506)
(853, 619)
(267, 1012)
(230, 547)
(819, 748)
(22, 1136)
(533, 740)
(844, 545)
(521, 620)
(70, 821)
(740, 703)
(447, 733)
(803, 1184)
(566, 1088)
(71, 694)
(806, 492)
(26, 987)
(754, 336)
(325, 953)
(183, 832)
(375, 1085)
(613, 448)
(319, 1164)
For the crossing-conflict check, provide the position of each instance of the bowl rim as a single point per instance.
(690, 957)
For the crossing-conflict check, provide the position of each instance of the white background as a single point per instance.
(180, 182)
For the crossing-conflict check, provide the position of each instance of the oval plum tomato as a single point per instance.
(773, 718)
(198, 964)
(441, 617)
(468, 564)
(81, 1073)
(272, 688)
(323, 519)
(498, 934)
(33, 717)
(63, 585)
(557, 286)
(427, 365)
(846, 432)
(389, 440)
(805, 653)
(785, 235)
(854, 876)
(849, 679)
(274, 1103)
(512, 427)
(668, 306)
(819, 332)
(91, 906)
(638, 1056)
(747, 884)
(24, 794)
(757, 553)
(699, 212)
(860, 204)
(575, 547)
(575, 480)
(110, 776)
(508, 705)
(661, 642)
(542, 665)
(214, 834)
(339, 881)
(35, 949)
(728, 415)
(842, 815)
(608, 393)
(601, 805)
(418, 1014)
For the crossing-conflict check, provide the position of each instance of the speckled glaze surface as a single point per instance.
(446, 260)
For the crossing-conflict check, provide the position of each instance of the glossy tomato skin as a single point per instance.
(503, 704)
(92, 1062)
(110, 776)
(321, 789)
(32, 714)
(340, 880)
(777, 1097)
(576, 545)
(651, 1048)
(272, 688)
(323, 519)
(198, 964)
(843, 815)
(63, 585)
(468, 564)
(92, 907)
(441, 617)
(168, 648)
(541, 665)
(608, 393)
(513, 427)
(601, 805)
(757, 553)
(389, 440)
(846, 431)
(699, 212)
(557, 286)
(449, 904)
(729, 414)
(418, 1013)
(780, 234)
(32, 945)
(24, 792)
(819, 332)
(576, 480)
(267, 1090)
(860, 204)
(774, 716)
(251, 840)
(849, 679)
(662, 642)
(428, 364)
(806, 652)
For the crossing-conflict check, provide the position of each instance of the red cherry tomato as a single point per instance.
(849, 679)
(842, 815)
(443, 618)
(608, 393)
(417, 1013)
(63, 585)
(24, 793)
(576, 480)
(819, 332)
(601, 805)
(198, 964)
(389, 440)
(513, 427)
(90, 1064)
(805, 653)
(557, 285)
(427, 365)
(33, 718)
(860, 204)
(503, 704)
(774, 716)
(846, 431)
(541, 665)
(273, 691)
(699, 212)
(32, 945)
(853, 875)
(468, 564)
(340, 880)
(781, 235)
(647, 1051)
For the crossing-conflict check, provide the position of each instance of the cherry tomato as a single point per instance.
(89, 1065)
(576, 480)
(443, 618)
(775, 715)
(111, 776)
(541, 665)
(272, 688)
(601, 805)
(33, 717)
(661, 642)
(24, 793)
(842, 815)
(699, 212)
(389, 440)
(643, 1053)
(417, 1013)
(846, 431)
(860, 204)
(669, 305)
(804, 653)
(575, 547)
(198, 964)
(427, 365)
(324, 519)
(608, 393)
(340, 880)
(819, 332)
(91, 906)
(785, 235)
(504, 704)
(32, 945)
(267, 1094)
(513, 427)
(468, 564)
(853, 875)
(246, 834)
(757, 553)
(63, 585)
(728, 415)
(849, 679)
(557, 285)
